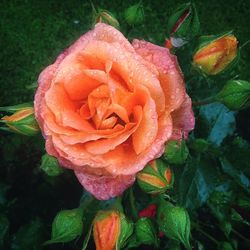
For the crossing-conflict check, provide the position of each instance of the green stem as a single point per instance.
(240, 235)
(132, 203)
(204, 102)
(244, 44)
(197, 227)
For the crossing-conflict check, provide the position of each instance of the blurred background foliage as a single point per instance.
(33, 33)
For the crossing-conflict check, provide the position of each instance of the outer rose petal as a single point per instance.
(183, 120)
(105, 187)
(170, 74)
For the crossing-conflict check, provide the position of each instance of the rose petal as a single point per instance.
(105, 187)
(124, 161)
(170, 74)
(125, 65)
(183, 120)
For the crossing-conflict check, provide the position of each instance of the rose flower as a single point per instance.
(106, 108)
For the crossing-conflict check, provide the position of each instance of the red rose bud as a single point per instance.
(176, 152)
(104, 16)
(155, 178)
(111, 230)
(134, 14)
(149, 211)
(174, 222)
(235, 94)
(216, 53)
(184, 23)
(22, 121)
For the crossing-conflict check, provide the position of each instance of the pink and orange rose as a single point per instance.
(107, 107)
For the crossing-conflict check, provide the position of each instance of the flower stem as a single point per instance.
(132, 203)
(197, 227)
(204, 102)
(240, 235)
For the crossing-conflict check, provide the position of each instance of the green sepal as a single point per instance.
(174, 222)
(176, 152)
(134, 14)
(235, 94)
(146, 232)
(50, 165)
(67, 226)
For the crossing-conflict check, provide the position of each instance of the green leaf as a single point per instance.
(226, 246)
(240, 157)
(220, 122)
(29, 236)
(196, 182)
(226, 227)
(236, 174)
(4, 228)
(237, 217)
(66, 226)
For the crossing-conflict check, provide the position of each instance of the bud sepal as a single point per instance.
(22, 120)
(155, 178)
(235, 94)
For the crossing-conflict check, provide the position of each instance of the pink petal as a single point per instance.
(183, 120)
(105, 187)
(169, 72)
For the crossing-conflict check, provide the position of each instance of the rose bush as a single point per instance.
(106, 108)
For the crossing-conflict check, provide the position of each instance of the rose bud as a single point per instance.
(134, 14)
(145, 232)
(111, 230)
(104, 16)
(176, 152)
(50, 165)
(216, 53)
(155, 178)
(67, 226)
(174, 222)
(22, 121)
(184, 23)
(235, 94)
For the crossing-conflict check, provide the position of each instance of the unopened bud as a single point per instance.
(174, 222)
(235, 94)
(216, 53)
(155, 178)
(145, 232)
(176, 152)
(184, 23)
(22, 121)
(50, 165)
(104, 16)
(66, 226)
(134, 14)
(111, 229)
